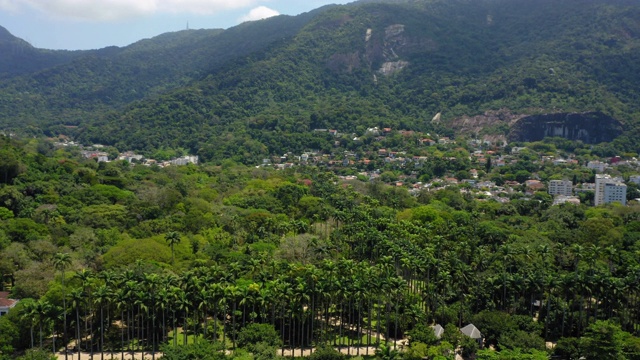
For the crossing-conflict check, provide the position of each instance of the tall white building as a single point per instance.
(610, 190)
(615, 192)
(560, 187)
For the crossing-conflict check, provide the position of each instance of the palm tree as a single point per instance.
(152, 281)
(61, 261)
(29, 312)
(172, 238)
(102, 295)
(77, 297)
(42, 309)
(163, 302)
(231, 294)
(86, 277)
(122, 301)
(130, 288)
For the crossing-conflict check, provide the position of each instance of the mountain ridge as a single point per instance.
(460, 58)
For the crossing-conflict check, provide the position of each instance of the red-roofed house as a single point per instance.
(5, 303)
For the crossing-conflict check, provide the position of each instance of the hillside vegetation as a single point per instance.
(116, 257)
(284, 77)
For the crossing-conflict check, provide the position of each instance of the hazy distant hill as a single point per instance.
(18, 57)
(373, 63)
(73, 87)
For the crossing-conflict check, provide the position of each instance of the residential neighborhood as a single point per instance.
(483, 168)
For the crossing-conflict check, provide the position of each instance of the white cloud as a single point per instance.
(9, 5)
(259, 13)
(108, 10)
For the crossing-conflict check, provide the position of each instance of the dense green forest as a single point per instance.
(229, 260)
(114, 257)
(262, 87)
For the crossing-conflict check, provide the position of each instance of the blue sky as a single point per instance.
(91, 24)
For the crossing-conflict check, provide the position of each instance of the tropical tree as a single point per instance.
(172, 238)
(102, 295)
(61, 261)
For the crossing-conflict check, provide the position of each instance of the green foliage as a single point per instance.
(604, 340)
(522, 340)
(568, 348)
(326, 353)
(511, 355)
(386, 352)
(24, 230)
(494, 324)
(423, 334)
(203, 350)
(127, 252)
(37, 354)
(104, 216)
(320, 257)
(5, 213)
(255, 335)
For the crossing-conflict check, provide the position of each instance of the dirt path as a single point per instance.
(352, 350)
(107, 356)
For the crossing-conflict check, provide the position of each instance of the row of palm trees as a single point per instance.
(396, 284)
(333, 302)
(568, 286)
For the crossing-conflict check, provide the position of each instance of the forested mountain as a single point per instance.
(261, 88)
(18, 57)
(91, 82)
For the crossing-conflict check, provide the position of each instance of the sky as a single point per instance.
(94, 24)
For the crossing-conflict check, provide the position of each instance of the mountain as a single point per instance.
(18, 57)
(370, 63)
(71, 90)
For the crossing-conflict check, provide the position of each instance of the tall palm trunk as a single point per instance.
(185, 326)
(349, 322)
(91, 316)
(206, 322)
(64, 319)
(195, 326)
(153, 348)
(77, 331)
(101, 332)
(359, 334)
(282, 326)
(164, 326)
(378, 322)
(122, 334)
(369, 326)
(233, 320)
(215, 322)
(175, 330)
(291, 338)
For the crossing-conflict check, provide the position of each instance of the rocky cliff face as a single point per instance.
(590, 127)
(385, 51)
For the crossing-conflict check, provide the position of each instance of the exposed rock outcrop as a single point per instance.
(392, 67)
(393, 37)
(471, 125)
(589, 127)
